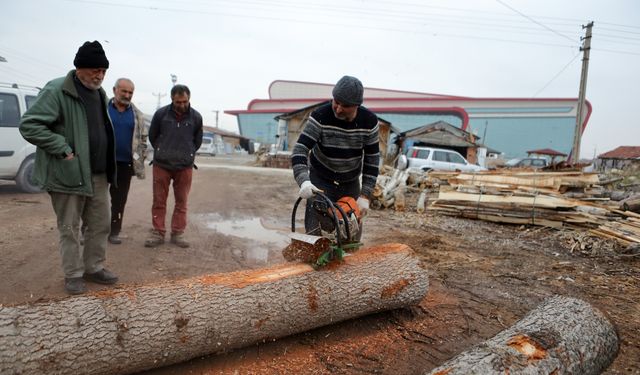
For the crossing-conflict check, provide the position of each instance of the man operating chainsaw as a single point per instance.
(338, 146)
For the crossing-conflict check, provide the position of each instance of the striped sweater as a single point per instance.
(338, 150)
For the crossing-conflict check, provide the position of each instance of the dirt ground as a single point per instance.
(483, 276)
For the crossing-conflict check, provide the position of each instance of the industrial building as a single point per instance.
(510, 125)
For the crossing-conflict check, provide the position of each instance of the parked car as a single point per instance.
(527, 163)
(429, 158)
(208, 146)
(17, 156)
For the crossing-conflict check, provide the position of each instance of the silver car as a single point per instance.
(429, 158)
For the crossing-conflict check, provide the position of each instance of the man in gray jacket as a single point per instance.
(131, 150)
(75, 162)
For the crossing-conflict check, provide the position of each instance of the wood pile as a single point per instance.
(277, 160)
(573, 200)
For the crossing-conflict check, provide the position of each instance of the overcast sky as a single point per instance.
(229, 51)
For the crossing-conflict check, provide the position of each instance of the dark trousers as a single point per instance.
(334, 191)
(119, 195)
(181, 186)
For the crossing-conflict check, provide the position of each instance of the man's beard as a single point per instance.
(340, 117)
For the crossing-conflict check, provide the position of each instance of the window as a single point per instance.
(440, 156)
(455, 158)
(9, 112)
(423, 154)
(538, 163)
(30, 99)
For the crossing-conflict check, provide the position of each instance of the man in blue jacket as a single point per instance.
(75, 162)
(175, 134)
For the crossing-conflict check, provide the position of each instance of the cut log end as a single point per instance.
(561, 336)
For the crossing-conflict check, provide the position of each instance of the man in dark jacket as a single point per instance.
(175, 134)
(337, 148)
(75, 162)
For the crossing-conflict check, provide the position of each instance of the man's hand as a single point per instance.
(307, 189)
(69, 156)
(363, 205)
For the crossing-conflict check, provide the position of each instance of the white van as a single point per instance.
(428, 158)
(17, 156)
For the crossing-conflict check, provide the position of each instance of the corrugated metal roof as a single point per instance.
(546, 151)
(622, 152)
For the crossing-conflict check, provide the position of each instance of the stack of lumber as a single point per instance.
(570, 199)
(540, 198)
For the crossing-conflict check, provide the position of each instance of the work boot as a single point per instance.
(104, 276)
(155, 239)
(74, 285)
(178, 239)
(114, 239)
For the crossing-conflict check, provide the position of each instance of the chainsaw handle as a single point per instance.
(293, 214)
(335, 217)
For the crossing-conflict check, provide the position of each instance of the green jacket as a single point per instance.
(57, 124)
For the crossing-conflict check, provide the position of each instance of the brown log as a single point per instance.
(135, 328)
(561, 336)
(631, 204)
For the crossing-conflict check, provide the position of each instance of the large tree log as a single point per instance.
(561, 336)
(141, 327)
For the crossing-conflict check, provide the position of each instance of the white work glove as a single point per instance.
(307, 189)
(363, 205)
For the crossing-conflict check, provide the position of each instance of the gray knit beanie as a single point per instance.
(348, 91)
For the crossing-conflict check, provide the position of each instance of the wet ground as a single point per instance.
(483, 276)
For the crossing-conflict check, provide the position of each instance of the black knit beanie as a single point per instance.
(91, 55)
(348, 91)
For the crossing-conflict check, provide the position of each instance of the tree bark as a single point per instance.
(135, 328)
(561, 336)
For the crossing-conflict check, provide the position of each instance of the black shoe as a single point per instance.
(103, 276)
(74, 285)
(114, 239)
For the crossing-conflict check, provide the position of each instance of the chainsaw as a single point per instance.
(340, 229)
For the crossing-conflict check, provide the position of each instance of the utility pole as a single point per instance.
(160, 96)
(216, 112)
(577, 135)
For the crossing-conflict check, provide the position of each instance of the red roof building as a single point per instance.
(622, 152)
(622, 158)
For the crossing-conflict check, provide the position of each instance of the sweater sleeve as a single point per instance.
(371, 162)
(300, 154)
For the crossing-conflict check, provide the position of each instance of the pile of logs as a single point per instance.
(573, 200)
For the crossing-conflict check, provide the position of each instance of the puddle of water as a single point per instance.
(251, 229)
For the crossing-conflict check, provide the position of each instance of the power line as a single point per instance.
(534, 21)
(617, 51)
(293, 20)
(355, 10)
(620, 31)
(557, 75)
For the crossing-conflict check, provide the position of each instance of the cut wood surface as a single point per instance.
(135, 328)
(561, 336)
